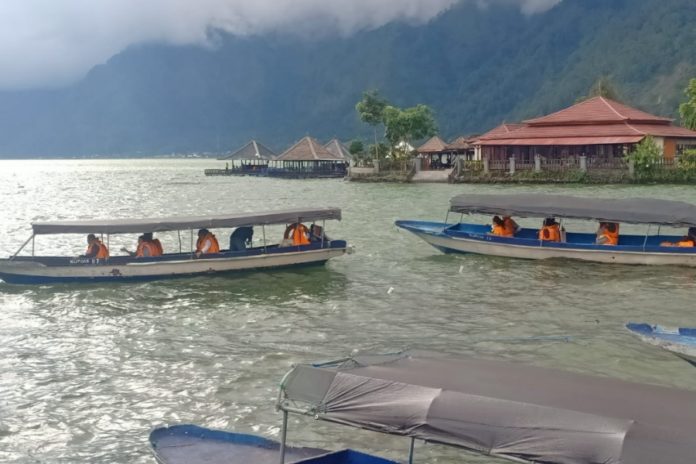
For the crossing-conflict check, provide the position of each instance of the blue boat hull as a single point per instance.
(680, 341)
(191, 444)
(477, 239)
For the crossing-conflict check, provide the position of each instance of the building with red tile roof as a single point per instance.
(598, 127)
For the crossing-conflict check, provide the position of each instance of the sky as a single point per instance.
(49, 43)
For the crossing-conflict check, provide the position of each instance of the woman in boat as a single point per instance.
(687, 241)
(146, 248)
(498, 227)
(207, 243)
(95, 248)
(550, 231)
(608, 233)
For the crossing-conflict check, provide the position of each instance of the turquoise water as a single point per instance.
(86, 371)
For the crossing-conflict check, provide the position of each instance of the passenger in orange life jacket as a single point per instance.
(608, 233)
(95, 248)
(550, 231)
(145, 249)
(159, 251)
(687, 241)
(207, 243)
(511, 227)
(498, 227)
(298, 233)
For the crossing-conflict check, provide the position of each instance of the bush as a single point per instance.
(646, 158)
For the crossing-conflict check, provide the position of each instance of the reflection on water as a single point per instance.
(87, 370)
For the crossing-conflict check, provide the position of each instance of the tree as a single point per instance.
(357, 147)
(408, 124)
(687, 110)
(645, 157)
(603, 87)
(371, 110)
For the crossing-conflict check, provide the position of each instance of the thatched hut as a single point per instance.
(307, 158)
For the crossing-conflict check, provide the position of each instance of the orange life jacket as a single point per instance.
(102, 251)
(685, 243)
(299, 234)
(550, 233)
(149, 246)
(214, 245)
(509, 225)
(500, 230)
(158, 246)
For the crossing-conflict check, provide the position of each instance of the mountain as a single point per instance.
(475, 67)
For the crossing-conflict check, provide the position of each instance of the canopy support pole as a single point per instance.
(323, 228)
(411, 449)
(645, 242)
(263, 232)
(446, 218)
(191, 241)
(283, 437)
(23, 245)
(32, 244)
(178, 233)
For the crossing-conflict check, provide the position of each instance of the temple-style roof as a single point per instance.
(461, 143)
(308, 149)
(434, 145)
(597, 110)
(338, 149)
(592, 122)
(252, 150)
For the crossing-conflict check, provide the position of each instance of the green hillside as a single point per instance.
(474, 67)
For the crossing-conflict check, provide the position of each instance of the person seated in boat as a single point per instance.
(95, 248)
(207, 243)
(550, 231)
(316, 234)
(608, 233)
(155, 242)
(241, 238)
(298, 233)
(687, 241)
(145, 248)
(511, 227)
(498, 227)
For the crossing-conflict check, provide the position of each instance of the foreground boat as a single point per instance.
(680, 341)
(506, 410)
(632, 249)
(55, 269)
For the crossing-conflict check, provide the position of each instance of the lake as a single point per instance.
(87, 370)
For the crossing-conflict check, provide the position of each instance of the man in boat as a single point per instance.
(146, 248)
(498, 227)
(687, 241)
(608, 233)
(207, 243)
(95, 248)
(550, 231)
(511, 227)
(316, 234)
(155, 242)
(241, 238)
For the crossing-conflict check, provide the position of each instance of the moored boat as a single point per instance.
(652, 249)
(680, 341)
(21, 269)
(501, 409)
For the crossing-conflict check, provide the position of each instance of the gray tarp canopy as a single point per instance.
(501, 409)
(124, 226)
(630, 210)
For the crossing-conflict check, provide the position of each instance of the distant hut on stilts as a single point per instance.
(251, 159)
(308, 159)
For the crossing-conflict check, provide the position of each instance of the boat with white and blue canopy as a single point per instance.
(680, 341)
(35, 269)
(653, 247)
(507, 410)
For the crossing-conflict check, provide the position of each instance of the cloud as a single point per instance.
(51, 43)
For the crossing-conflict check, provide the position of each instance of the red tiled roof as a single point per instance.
(660, 130)
(598, 110)
(567, 141)
(500, 131)
(434, 145)
(338, 149)
(307, 149)
(461, 143)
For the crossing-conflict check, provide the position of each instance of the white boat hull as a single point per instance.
(18, 271)
(610, 255)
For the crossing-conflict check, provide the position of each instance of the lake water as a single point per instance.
(86, 371)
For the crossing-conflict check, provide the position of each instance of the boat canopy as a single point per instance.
(629, 210)
(124, 226)
(501, 409)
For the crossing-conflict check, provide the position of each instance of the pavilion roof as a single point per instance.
(308, 149)
(252, 150)
(461, 143)
(598, 110)
(434, 145)
(338, 149)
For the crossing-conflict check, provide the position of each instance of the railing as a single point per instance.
(607, 163)
(560, 164)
